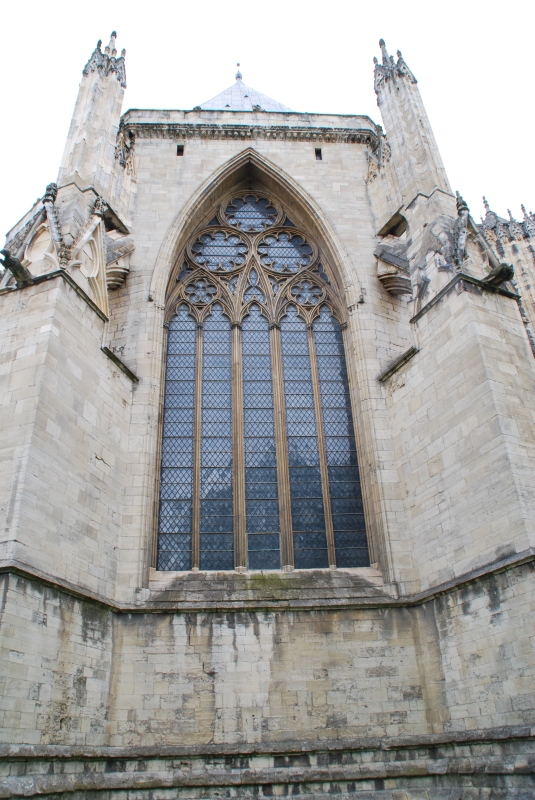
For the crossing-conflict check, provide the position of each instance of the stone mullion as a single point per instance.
(281, 447)
(238, 453)
(322, 450)
(197, 438)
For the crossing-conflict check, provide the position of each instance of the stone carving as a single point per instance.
(99, 207)
(389, 70)
(107, 62)
(379, 156)
(461, 232)
(16, 242)
(49, 201)
(516, 231)
(529, 224)
(499, 274)
(117, 252)
(393, 269)
(125, 150)
(23, 277)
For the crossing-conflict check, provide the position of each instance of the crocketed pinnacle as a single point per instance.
(389, 69)
(107, 62)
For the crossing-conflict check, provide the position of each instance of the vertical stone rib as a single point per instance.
(322, 452)
(281, 446)
(196, 510)
(238, 452)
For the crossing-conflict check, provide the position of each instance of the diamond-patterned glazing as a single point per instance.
(200, 292)
(308, 520)
(285, 252)
(217, 521)
(251, 213)
(306, 293)
(253, 292)
(344, 481)
(219, 250)
(176, 479)
(261, 491)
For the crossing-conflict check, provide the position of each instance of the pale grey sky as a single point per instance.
(473, 61)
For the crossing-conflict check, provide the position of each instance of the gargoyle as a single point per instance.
(23, 276)
(499, 274)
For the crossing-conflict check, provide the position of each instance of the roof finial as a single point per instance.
(111, 49)
(384, 51)
(485, 203)
(238, 74)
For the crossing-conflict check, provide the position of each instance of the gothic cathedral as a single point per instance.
(268, 461)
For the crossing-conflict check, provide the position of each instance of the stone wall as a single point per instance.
(345, 685)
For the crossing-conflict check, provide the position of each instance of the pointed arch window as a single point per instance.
(259, 465)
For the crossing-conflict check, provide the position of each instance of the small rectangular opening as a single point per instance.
(318, 153)
(180, 149)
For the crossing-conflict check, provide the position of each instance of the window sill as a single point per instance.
(263, 589)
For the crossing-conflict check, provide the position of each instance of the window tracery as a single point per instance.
(258, 466)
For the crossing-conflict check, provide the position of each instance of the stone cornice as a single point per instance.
(284, 133)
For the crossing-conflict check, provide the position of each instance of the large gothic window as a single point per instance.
(259, 465)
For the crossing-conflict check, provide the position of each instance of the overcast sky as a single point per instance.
(473, 61)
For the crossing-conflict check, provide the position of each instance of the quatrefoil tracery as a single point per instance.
(247, 259)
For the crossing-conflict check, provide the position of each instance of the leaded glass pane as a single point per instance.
(344, 481)
(251, 213)
(285, 252)
(216, 520)
(219, 250)
(261, 490)
(308, 520)
(176, 479)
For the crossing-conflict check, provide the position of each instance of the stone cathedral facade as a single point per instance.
(268, 461)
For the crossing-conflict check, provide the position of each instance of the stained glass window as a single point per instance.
(216, 518)
(284, 252)
(259, 464)
(251, 213)
(344, 482)
(308, 519)
(219, 250)
(176, 477)
(261, 492)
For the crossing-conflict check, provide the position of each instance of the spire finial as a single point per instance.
(238, 74)
(487, 207)
(384, 52)
(111, 49)
(462, 205)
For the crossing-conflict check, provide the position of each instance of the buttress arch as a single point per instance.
(250, 167)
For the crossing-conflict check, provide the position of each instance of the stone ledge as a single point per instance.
(462, 278)
(410, 741)
(59, 273)
(373, 597)
(477, 758)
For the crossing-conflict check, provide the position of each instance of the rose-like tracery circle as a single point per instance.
(250, 213)
(285, 252)
(219, 250)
